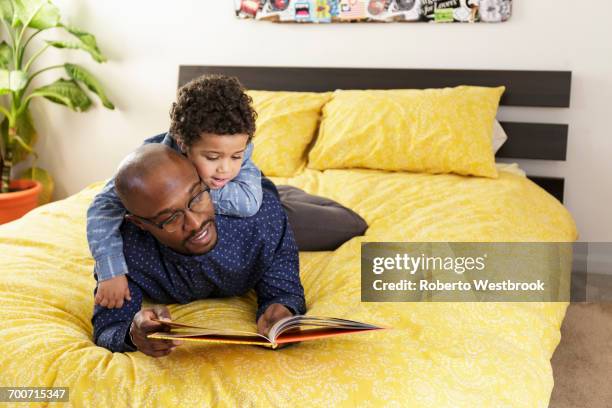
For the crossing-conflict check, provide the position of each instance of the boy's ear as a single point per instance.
(136, 221)
(181, 146)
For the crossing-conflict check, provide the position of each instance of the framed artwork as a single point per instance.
(338, 11)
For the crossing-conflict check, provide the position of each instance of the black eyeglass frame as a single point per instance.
(162, 224)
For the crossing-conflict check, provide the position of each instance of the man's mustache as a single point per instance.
(210, 221)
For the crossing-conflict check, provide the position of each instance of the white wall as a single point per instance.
(147, 40)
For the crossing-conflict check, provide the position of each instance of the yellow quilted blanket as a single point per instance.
(439, 355)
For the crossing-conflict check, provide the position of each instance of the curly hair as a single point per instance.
(214, 104)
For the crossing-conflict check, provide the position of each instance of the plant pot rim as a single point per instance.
(26, 187)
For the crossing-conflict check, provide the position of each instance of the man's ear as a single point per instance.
(136, 221)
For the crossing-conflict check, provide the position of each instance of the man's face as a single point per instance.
(218, 157)
(196, 233)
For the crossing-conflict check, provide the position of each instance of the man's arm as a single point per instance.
(241, 196)
(280, 282)
(111, 326)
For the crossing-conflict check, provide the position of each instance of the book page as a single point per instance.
(287, 330)
(187, 330)
(298, 323)
(196, 337)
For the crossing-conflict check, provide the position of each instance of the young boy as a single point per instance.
(212, 123)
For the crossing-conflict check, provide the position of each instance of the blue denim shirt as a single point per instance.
(240, 197)
(257, 252)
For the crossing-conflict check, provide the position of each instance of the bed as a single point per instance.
(438, 354)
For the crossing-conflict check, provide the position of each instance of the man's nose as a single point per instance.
(191, 221)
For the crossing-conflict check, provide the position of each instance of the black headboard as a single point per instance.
(542, 141)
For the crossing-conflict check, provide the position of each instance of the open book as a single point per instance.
(290, 329)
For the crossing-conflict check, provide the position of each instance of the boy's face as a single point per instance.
(218, 157)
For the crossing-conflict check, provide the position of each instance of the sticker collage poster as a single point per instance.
(332, 11)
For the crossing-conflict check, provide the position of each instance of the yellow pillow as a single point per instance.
(432, 130)
(286, 124)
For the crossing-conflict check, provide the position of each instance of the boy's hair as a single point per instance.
(214, 104)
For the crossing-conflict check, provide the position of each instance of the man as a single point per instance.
(178, 251)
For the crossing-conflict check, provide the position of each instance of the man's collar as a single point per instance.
(169, 141)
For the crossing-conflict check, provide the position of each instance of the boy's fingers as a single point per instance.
(104, 302)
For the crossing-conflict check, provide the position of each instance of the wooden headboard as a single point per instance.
(544, 141)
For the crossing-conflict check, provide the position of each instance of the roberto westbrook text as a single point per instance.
(478, 284)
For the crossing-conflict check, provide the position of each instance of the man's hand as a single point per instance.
(143, 325)
(273, 314)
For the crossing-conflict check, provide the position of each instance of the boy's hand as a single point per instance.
(273, 314)
(112, 292)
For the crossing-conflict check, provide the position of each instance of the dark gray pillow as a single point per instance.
(318, 223)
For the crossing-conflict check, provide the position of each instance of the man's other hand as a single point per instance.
(143, 325)
(273, 314)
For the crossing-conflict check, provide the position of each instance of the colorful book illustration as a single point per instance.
(303, 11)
(330, 11)
(352, 10)
(322, 11)
(291, 329)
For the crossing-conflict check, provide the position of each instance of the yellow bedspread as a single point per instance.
(439, 355)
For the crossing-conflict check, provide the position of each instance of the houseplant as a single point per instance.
(22, 21)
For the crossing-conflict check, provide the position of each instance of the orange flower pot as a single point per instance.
(15, 204)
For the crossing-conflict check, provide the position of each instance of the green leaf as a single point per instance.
(12, 81)
(25, 130)
(80, 74)
(6, 54)
(6, 10)
(65, 92)
(87, 42)
(66, 45)
(78, 46)
(38, 14)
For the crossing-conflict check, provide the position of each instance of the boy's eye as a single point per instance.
(237, 157)
(211, 157)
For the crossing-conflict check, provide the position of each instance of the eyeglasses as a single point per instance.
(198, 204)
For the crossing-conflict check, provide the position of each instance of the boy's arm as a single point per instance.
(280, 282)
(240, 197)
(104, 217)
(111, 326)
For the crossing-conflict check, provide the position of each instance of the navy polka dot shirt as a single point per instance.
(257, 252)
